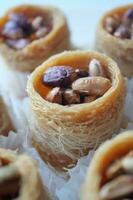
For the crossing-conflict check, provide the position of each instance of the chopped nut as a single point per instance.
(70, 97)
(37, 22)
(95, 68)
(117, 188)
(96, 86)
(127, 164)
(18, 44)
(55, 96)
(128, 17)
(12, 31)
(122, 32)
(114, 170)
(88, 99)
(111, 24)
(59, 76)
(42, 32)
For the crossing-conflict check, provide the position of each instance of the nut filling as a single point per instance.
(121, 27)
(119, 180)
(74, 86)
(20, 30)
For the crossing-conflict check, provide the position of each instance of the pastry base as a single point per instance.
(6, 124)
(57, 40)
(104, 156)
(72, 131)
(29, 176)
(118, 49)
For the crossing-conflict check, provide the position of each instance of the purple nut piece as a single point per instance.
(17, 44)
(59, 76)
(128, 14)
(122, 32)
(11, 30)
(22, 22)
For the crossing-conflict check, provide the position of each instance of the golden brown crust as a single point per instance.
(39, 50)
(104, 156)
(121, 50)
(74, 130)
(31, 185)
(6, 124)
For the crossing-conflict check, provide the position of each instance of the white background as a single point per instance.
(82, 15)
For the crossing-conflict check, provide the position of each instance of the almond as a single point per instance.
(96, 86)
(95, 68)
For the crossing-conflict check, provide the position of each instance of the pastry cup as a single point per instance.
(107, 153)
(39, 50)
(6, 124)
(62, 134)
(23, 170)
(121, 50)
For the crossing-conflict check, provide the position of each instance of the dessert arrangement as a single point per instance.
(74, 100)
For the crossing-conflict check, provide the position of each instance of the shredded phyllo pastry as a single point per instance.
(111, 170)
(6, 124)
(76, 100)
(31, 34)
(114, 37)
(19, 178)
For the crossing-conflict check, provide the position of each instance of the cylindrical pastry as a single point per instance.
(19, 178)
(6, 124)
(111, 170)
(114, 37)
(31, 34)
(63, 133)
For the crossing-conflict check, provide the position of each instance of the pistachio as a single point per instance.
(55, 96)
(117, 188)
(95, 68)
(70, 97)
(88, 99)
(96, 86)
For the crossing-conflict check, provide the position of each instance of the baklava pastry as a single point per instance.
(6, 124)
(19, 178)
(111, 170)
(114, 37)
(30, 34)
(76, 100)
